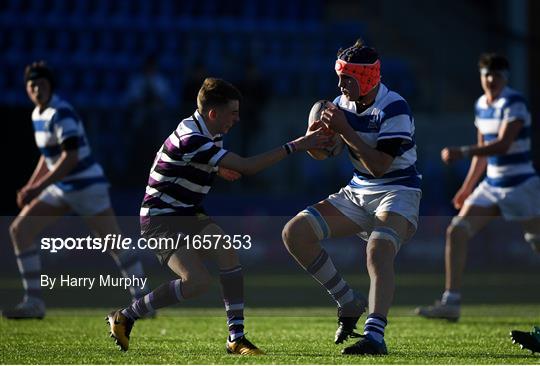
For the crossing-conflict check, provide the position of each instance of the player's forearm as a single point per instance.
(496, 147)
(375, 161)
(65, 164)
(476, 171)
(40, 170)
(254, 164)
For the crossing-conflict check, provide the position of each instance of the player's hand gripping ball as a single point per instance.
(314, 123)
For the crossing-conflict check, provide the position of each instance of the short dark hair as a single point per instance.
(216, 92)
(358, 53)
(38, 70)
(493, 61)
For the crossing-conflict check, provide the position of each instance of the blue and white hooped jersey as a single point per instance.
(389, 117)
(515, 166)
(52, 127)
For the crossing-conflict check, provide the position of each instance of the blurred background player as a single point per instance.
(66, 179)
(527, 340)
(380, 203)
(181, 176)
(511, 188)
(149, 101)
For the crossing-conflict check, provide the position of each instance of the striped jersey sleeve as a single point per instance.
(64, 124)
(515, 111)
(396, 121)
(201, 150)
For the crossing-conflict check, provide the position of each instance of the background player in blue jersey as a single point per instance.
(380, 203)
(66, 179)
(511, 187)
(180, 178)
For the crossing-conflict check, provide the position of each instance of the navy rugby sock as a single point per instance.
(232, 286)
(167, 294)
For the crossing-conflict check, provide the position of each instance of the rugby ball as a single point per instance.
(337, 142)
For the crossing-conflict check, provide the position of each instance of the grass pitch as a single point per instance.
(288, 336)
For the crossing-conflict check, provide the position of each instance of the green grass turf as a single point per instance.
(288, 336)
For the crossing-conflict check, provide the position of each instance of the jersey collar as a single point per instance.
(199, 120)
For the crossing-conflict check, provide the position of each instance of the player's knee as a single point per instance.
(17, 233)
(212, 229)
(196, 285)
(380, 256)
(297, 232)
(308, 226)
(384, 243)
(533, 240)
(290, 233)
(460, 227)
(14, 231)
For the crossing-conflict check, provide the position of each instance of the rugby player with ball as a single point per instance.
(379, 204)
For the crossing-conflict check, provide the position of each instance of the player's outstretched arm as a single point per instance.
(248, 166)
(507, 134)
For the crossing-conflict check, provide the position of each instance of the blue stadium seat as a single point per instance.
(79, 35)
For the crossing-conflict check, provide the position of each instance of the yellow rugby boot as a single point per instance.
(120, 328)
(242, 346)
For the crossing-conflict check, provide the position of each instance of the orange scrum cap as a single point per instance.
(367, 76)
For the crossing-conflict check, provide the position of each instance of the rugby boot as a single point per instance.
(527, 340)
(30, 308)
(366, 346)
(450, 312)
(120, 328)
(242, 346)
(348, 316)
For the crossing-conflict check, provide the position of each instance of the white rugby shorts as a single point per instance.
(521, 202)
(85, 202)
(362, 208)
